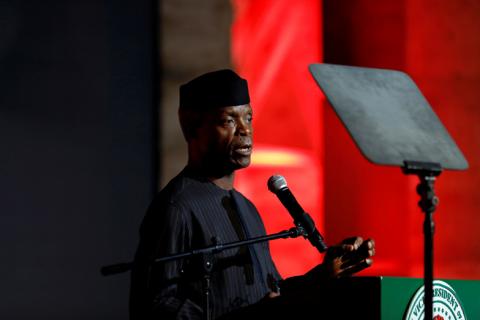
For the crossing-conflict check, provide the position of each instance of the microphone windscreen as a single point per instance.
(276, 183)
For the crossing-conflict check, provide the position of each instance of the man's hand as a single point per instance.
(350, 256)
(344, 259)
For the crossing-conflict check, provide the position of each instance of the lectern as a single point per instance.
(371, 298)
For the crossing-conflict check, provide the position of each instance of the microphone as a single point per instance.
(278, 185)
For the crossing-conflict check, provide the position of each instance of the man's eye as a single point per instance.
(229, 121)
(249, 119)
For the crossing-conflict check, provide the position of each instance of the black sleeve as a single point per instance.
(314, 279)
(155, 292)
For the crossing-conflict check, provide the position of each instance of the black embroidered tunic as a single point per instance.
(192, 213)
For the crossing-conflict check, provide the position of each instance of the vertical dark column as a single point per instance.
(77, 165)
(362, 198)
(442, 56)
(195, 39)
(365, 33)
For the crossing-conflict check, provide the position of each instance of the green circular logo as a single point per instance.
(446, 305)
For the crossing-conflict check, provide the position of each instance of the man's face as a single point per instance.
(225, 137)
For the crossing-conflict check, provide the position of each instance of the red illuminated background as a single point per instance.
(298, 135)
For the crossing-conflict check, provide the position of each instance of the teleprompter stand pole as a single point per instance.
(427, 173)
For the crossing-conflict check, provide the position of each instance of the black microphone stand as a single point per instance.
(207, 259)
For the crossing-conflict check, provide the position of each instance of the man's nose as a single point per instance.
(244, 128)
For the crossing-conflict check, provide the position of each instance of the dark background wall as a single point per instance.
(77, 159)
(195, 38)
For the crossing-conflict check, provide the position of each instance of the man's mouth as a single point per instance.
(244, 150)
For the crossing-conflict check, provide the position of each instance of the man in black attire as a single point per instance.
(200, 207)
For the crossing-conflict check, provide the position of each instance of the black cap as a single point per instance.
(215, 89)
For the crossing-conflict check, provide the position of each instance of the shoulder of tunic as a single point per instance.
(167, 206)
(183, 190)
(182, 196)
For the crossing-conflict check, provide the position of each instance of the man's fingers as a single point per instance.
(355, 268)
(350, 256)
(356, 242)
(366, 250)
(348, 248)
(352, 260)
(369, 248)
(349, 245)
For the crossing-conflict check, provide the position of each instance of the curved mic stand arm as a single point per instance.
(207, 258)
(124, 267)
